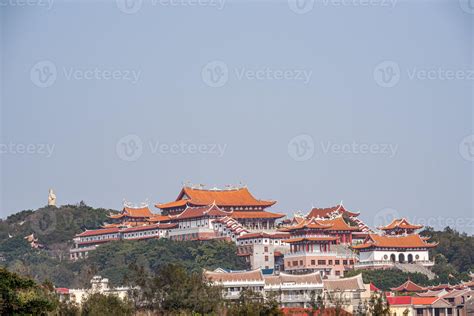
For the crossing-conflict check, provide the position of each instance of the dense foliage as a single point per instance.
(457, 248)
(55, 228)
(22, 296)
(386, 279)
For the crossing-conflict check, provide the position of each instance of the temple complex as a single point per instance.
(381, 251)
(313, 247)
(400, 227)
(238, 201)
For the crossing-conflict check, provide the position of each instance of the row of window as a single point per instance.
(294, 263)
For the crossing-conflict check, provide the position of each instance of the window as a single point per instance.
(265, 249)
(330, 262)
(337, 262)
(344, 262)
(301, 262)
(266, 258)
(313, 262)
(321, 262)
(295, 263)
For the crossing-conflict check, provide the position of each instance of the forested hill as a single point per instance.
(53, 225)
(55, 228)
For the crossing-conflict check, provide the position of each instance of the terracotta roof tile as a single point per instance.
(96, 232)
(403, 241)
(226, 197)
(408, 286)
(256, 214)
(400, 223)
(200, 211)
(321, 238)
(327, 212)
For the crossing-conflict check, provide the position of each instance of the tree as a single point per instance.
(379, 305)
(98, 304)
(23, 296)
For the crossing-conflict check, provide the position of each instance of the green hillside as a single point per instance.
(55, 228)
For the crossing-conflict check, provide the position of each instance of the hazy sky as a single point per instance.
(308, 103)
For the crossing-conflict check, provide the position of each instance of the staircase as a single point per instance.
(413, 268)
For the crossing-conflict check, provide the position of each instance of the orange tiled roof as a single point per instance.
(227, 197)
(326, 212)
(137, 212)
(339, 223)
(300, 239)
(400, 223)
(408, 241)
(423, 300)
(200, 211)
(255, 214)
(408, 286)
(309, 224)
(96, 232)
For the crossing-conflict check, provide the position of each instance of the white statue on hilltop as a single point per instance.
(51, 198)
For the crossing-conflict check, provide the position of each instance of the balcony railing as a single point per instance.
(426, 263)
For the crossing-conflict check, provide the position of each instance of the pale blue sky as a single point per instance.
(332, 100)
